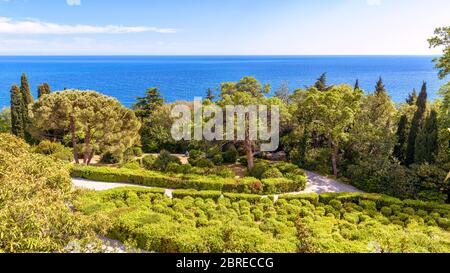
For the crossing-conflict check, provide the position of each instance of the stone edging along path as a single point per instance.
(316, 184)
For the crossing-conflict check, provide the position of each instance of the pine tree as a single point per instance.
(357, 85)
(210, 94)
(17, 128)
(380, 88)
(412, 97)
(321, 83)
(416, 124)
(43, 89)
(145, 106)
(399, 149)
(427, 141)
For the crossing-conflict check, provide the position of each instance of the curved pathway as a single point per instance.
(316, 184)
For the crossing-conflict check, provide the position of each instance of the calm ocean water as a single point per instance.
(182, 78)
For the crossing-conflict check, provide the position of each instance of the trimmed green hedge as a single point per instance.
(247, 185)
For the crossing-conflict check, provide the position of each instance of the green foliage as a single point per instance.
(34, 192)
(5, 120)
(400, 147)
(106, 126)
(164, 159)
(272, 173)
(17, 108)
(217, 159)
(416, 125)
(230, 155)
(427, 141)
(55, 150)
(43, 89)
(202, 163)
(184, 177)
(258, 170)
(205, 222)
(442, 39)
(321, 83)
(148, 161)
(147, 105)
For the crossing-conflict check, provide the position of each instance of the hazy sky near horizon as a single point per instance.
(220, 27)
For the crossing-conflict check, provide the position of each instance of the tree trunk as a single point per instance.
(87, 150)
(249, 151)
(334, 154)
(74, 141)
(90, 157)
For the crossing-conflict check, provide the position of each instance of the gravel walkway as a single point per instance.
(316, 184)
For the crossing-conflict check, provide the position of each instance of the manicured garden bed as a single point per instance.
(190, 181)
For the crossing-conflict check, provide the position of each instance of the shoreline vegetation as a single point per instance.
(228, 195)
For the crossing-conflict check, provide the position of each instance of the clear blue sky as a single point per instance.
(220, 27)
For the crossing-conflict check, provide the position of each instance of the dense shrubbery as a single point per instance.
(209, 222)
(34, 192)
(54, 149)
(223, 180)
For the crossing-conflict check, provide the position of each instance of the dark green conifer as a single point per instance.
(416, 125)
(427, 141)
(17, 128)
(399, 149)
(321, 83)
(380, 88)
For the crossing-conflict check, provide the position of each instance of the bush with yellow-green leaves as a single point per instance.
(35, 193)
(212, 222)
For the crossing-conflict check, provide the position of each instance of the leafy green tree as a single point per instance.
(331, 114)
(102, 122)
(373, 132)
(427, 144)
(5, 120)
(248, 91)
(399, 149)
(283, 92)
(17, 125)
(416, 125)
(210, 95)
(145, 106)
(321, 83)
(412, 98)
(441, 38)
(44, 89)
(380, 88)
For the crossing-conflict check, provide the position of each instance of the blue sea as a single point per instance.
(183, 77)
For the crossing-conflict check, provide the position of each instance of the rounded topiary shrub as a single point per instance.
(164, 159)
(272, 173)
(217, 159)
(148, 161)
(258, 170)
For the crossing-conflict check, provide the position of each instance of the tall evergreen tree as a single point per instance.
(145, 106)
(17, 128)
(43, 89)
(399, 149)
(380, 88)
(25, 90)
(27, 99)
(357, 85)
(210, 94)
(427, 140)
(412, 97)
(416, 124)
(321, 83)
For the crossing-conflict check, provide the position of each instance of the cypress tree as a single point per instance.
(210, 94)
(43, 89)
(27, 99)
(25, 90)
(321, 83)
(380, 88)
(412, 97)
(357, 85)
(17, 128)
(427, 141)
(416, 124)
(399, 149)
